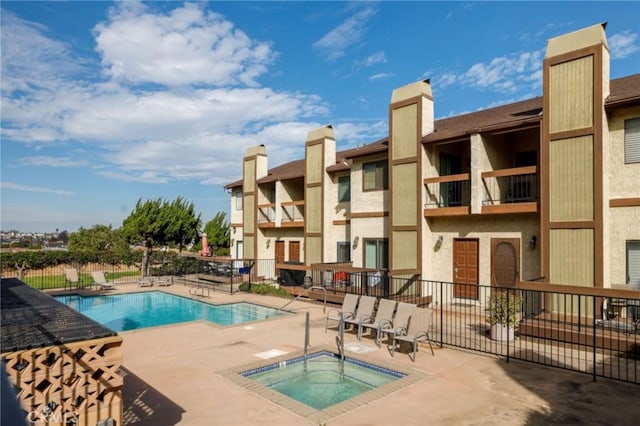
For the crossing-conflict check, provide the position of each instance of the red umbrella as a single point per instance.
(205, 246)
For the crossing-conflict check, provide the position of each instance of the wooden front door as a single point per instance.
(279, 255)
(505, 262)
(465, 268)
(294, 251)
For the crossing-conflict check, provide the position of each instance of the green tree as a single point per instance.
(217, 230)
(184, 224)
(98, 239)
(158, 223)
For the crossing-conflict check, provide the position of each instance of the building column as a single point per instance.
(320, 152)
(410, 118)
(254, 167)
(576, 83)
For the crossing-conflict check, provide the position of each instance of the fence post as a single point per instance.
(441, 315)
(594, 338)
(508, 315)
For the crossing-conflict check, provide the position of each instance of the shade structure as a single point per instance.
(205, 246)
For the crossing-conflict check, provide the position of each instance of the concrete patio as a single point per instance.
(174, 375)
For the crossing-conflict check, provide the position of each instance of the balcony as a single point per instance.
(267, 215)
(512, 190)
(292, 214)
(448, 195)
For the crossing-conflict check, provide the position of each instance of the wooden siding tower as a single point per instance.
(320, 152)
(254, 167)
(410, 118)
(576, 83)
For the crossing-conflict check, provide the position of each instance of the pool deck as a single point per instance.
(180, 375)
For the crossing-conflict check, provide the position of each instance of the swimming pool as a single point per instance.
(322, 384)
(132, 311)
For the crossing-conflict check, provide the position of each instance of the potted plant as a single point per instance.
(504, 313)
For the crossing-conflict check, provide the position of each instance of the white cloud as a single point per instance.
(506, 74)
(52, 161)
(376, 58)
(350, 32)
(623, 44)
(28, 188)
(182, 47)
(352, 134)
(381, 75)
(147, 133)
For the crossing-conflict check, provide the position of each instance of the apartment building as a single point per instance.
(544, 189)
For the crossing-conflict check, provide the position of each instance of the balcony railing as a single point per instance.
(292, 213)
(448, 195)
(266, 214)
(510, 190)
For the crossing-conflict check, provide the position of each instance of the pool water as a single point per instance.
(132, 311)
(322, 385)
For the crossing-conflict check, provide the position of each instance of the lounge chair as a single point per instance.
(145, 282)
(418, 331)
(348, 310)
(163, 281)
(101, 281)
(71, 277)
(400, 321)
(383, 317)
(364, 311)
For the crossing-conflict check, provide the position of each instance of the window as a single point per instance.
(633, 264)
(632, 140)
(375, 176)
(344, 189)
(376, 254)
(344, 252)
(239, 200)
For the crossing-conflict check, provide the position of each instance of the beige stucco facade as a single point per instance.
(553, 183)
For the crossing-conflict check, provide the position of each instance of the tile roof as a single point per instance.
(623, 91)
(32, 319)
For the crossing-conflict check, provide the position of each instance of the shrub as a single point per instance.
(503, 308)
(264, 289)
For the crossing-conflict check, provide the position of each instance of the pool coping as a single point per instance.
(412, 376)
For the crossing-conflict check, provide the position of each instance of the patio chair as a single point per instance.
(101, 281)
(348, 310)
(364, 312)
(418, 331)
(383, 317)
(399, 323)
(163, 281)
(145, 282)
(71, 277)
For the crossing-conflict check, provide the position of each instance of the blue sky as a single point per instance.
(105, 103)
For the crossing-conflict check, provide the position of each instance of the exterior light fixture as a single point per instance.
(438, 243)
(533, 242)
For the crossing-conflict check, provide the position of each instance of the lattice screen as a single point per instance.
(74, 383)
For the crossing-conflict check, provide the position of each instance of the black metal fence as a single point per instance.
(218, 273)
(593, 331)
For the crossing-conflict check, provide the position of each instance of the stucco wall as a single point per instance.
(624, 179)
(624, 225)
(369, 201)
(438, 263)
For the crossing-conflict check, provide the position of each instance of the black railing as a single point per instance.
(588, 333)
(448, 194)
(219, 273)
(510, 189)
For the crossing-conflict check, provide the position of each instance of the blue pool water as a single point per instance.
(122, 312)
(322, 386)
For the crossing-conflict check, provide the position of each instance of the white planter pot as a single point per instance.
(501, 332)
